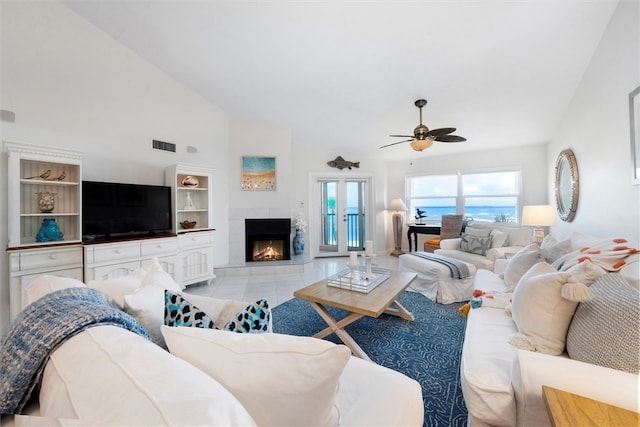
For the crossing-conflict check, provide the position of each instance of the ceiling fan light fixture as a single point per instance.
(421, 144)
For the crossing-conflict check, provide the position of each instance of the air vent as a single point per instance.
(164, 146)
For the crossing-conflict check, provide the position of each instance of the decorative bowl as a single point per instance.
(188, 224)
(190, 181)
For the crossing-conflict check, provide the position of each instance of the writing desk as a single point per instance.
(415, 229)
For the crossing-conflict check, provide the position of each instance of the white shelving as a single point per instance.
(34, 169)
(192, 203)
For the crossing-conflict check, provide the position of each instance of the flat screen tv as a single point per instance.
(111, 210)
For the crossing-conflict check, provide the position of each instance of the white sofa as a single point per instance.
(106, 375)
(501, 383)
(505, 240)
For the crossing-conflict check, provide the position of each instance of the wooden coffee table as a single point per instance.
(382, 299)
(567, 409)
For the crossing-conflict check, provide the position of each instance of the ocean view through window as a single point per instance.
(486, 196)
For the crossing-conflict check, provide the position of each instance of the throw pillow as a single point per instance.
(582, 276)
(475, 244)
(156, 276)
(499, 238)
(118, 287)
(520, 263)
(180, 312)
(282, 380)
(605, 331)
(146, 304)
(539, 311)
(480, 232)
(254, 318)
(552, 248)
(46, 284)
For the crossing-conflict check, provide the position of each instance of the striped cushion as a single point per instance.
(606, 330)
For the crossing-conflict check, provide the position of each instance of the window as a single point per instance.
(487, 196)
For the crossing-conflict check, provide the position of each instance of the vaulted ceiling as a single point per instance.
(345, 74)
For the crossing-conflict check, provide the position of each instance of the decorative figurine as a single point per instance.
(341, 163)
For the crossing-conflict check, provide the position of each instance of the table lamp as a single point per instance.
(398, 206)
(538, 216)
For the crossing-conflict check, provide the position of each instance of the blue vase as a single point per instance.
(298, 243)
(49, 231)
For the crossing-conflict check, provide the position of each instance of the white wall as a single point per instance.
(596, 128)
(294, 165)
(72, 86)
(313, 160)
(250, 137)
(530, 160)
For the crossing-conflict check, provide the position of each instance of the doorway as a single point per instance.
(341, 214)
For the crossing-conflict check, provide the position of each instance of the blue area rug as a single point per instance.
(427, 349)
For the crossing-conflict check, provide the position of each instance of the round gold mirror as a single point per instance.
(566, 185)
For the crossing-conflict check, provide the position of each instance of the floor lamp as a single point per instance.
(398, 206)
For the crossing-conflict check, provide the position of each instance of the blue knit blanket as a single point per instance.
(459, 269)
(41, 328)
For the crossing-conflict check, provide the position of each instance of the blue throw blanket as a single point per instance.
(41, 328)
(459, 269)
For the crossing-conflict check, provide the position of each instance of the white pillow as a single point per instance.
(109, 376)
(498, 238)
(479, 232)
(46, 284)
(147, 303)
(520, 263)
(118, 287)
(282, 380)
(156, 276)
(552, 248)
(541, 314)
(518, 236)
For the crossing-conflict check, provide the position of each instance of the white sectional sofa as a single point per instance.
(108, 375)
(504, 239)
(518, 340)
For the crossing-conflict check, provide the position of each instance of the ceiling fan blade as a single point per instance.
(396, 143)
(441, 131)
(401, 136)
(450, 138)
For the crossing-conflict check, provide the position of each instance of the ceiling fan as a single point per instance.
(423, 137)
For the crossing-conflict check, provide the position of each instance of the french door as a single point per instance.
(342, 207)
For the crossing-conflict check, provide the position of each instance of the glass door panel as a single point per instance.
(342, 215)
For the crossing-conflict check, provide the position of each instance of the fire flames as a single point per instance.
(266, 252)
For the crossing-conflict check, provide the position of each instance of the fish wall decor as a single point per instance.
(341, 163)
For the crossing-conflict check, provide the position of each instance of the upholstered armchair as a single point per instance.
(450, 228)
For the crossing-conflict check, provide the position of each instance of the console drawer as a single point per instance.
(194, 240)
(159, 247)
(115, 252)
(48, 258)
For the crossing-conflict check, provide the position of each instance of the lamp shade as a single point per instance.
(397, 205)
(421, 144)
(539, 215)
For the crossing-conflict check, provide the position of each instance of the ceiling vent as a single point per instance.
(164, 146)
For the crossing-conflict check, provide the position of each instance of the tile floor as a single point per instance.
(274, 284)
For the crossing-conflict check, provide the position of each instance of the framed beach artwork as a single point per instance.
(258, 173)
(634, 118)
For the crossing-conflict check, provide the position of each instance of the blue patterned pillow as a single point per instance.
(254, 319)
(180, 312)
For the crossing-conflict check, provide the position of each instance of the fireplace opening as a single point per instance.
(267, 239)
(268, 250)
